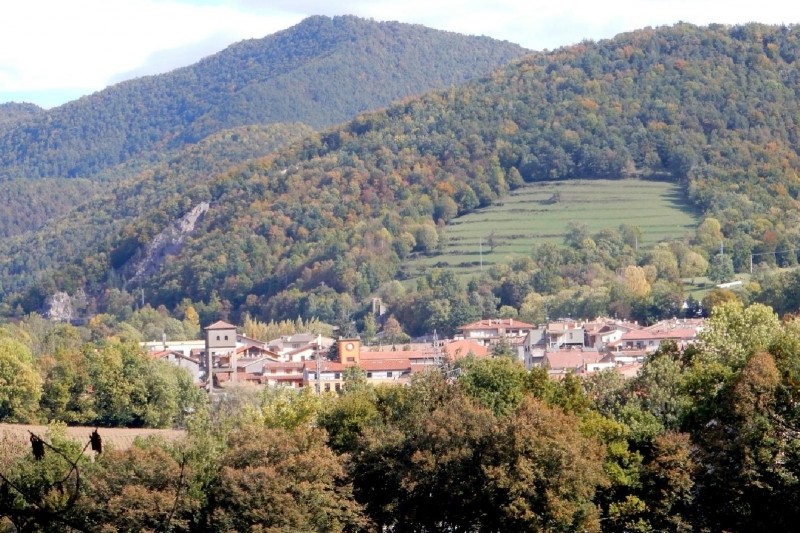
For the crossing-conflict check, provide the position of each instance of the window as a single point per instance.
(217, 337)
(337, 375)
(327, 387)
(369, 374)
(337, 387)
(389, 374)
(226, 337)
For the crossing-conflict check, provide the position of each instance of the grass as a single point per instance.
(532, 215)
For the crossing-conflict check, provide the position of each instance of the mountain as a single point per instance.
(12, 113)
(114, 225)
(317, 228)
(320, 72)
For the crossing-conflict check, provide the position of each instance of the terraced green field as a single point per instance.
(540, 212)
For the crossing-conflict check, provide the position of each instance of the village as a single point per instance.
(563, 346)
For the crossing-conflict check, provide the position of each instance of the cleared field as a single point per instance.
(540, 212)
(116, 438)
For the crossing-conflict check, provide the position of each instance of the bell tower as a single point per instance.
(349, 351)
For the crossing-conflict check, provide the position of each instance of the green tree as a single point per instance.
(692, 265)
(20, 383)
(496, 383)
(720, 268)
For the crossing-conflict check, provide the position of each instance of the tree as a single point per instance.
(665, 262)
(636, 281)
(346, 419)
(281, 480)
(20, 383)
(393, 333)
(543, 472)
(497, 383)
(692, 265)
(720, 268)
(709, 234)
(143, 488)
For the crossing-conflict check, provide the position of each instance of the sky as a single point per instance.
(54, 51)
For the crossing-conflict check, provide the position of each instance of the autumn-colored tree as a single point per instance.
(281, 480)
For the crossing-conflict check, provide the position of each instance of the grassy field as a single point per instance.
(540, 212)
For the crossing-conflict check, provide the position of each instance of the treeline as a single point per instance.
(700, 440)
(11, 113)
(317, 229)
(321, 72)
(96, 375)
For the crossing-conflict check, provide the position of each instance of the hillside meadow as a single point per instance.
(541, 212)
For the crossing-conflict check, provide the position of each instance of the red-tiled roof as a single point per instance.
(404, 355)
(389, 364)
(164, 353)
(461, 348)
(494, 323)
(628, 371)
(571, 358)
(220, 325)
(325, 366)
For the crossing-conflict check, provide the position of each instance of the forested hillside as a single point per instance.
(316, 229)
(11, 113)
(112, 227)
(320, 72)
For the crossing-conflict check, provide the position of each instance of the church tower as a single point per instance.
(349, 351)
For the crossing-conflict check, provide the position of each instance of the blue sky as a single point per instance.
(53, 51)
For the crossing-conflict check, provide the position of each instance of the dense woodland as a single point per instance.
(316, 229)
(321, 72)
(701, 440)
(11, 113)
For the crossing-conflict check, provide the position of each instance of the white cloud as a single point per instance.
(83, 44)
(47, 46)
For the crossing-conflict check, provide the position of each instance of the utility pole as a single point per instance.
(436, 355)
(319, 374)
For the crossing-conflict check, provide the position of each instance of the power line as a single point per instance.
(776, 252)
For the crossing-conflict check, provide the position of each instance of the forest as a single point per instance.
(320, 72)
(319, 227)
(703, 439)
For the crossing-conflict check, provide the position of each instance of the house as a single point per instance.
(493, 330)
(283, 373)
(459, 348)
(187, 348)
(682, 332)
(576, 361)
(564, 334)
(178, 358)
(603, 332)
(301, 346)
